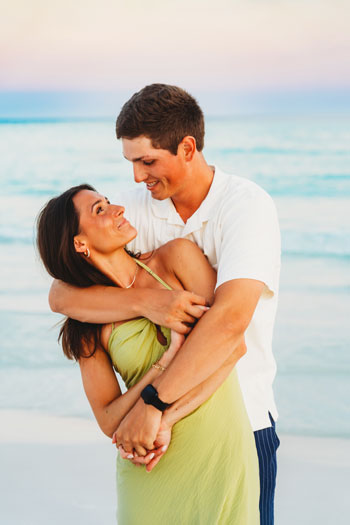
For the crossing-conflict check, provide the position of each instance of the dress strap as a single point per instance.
(151, 272)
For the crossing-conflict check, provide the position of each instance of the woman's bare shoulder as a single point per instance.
(179, 247)
(186, 261)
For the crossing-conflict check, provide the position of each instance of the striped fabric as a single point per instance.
(267, 443)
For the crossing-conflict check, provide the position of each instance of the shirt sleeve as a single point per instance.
(249, 244)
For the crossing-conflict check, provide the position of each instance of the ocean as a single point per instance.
(302, 161)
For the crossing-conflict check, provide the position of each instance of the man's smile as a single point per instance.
(151, 184)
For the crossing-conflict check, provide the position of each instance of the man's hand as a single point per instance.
(153, 456)
(176, 309)
(138, 430)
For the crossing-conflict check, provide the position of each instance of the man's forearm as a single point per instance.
(198, 395)
(214, 339)
(97, 304)
(107, 304)
(204, 352)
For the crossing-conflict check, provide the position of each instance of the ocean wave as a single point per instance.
(51, 120)
(16, 238)
(266, 150)
(316, 244)
(310, 185)
(306, 244)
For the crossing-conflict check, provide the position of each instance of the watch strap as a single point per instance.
(150, 396)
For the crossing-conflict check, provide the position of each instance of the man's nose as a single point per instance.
(139, 173)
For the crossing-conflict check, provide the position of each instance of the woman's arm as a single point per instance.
(102, 389)
(182, 408)
(186, 261)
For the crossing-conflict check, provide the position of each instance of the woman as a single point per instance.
(209, 473)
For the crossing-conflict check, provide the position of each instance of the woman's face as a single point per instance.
(103, 227)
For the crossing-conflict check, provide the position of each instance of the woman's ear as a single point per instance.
(79, 245)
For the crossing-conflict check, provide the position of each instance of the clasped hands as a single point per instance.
(143, 436)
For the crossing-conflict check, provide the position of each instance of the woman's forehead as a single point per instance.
(86, 198)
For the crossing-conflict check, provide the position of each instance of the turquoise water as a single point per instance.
(303, 162)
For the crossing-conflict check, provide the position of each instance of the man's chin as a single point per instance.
(159, 196)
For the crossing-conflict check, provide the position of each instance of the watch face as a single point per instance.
(149, 393)
(150, 396)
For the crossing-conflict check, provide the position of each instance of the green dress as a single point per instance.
(209, 474)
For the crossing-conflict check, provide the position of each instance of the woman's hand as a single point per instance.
(161, 445)
(136, 460)
(177, 341)
(153, 456)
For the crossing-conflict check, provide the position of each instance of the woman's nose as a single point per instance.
(118, 210)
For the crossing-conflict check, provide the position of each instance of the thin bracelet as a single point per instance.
(159, 367)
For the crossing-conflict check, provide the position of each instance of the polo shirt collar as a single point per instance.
(165, 209)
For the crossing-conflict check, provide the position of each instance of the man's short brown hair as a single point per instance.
(165, 114)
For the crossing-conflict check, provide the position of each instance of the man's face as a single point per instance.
(163, 173)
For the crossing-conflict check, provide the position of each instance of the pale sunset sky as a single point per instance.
(228, 46)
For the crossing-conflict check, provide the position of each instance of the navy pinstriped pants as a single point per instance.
(267, 443)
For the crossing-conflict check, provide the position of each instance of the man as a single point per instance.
(235, 224)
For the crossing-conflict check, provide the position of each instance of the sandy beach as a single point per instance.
(62, 471)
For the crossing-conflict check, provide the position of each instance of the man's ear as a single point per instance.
(79, 244)
(188, 146)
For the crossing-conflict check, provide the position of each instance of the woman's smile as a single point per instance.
(123, 222)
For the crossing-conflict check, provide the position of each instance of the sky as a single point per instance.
(227, 46)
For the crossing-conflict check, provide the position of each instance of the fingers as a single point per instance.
(196, 311)
(185, 317)
(187, 306)
(189, 317)
(129, 447)
(140, 451)
(197, 299)
(154, 462)
(183, 309)
(160, 451)
(158, 454)
(124, 454)
(135, 459)
(145, 459)
(181, 328)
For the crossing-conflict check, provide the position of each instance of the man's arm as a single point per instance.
(180, 409)
(214, 339)
(249, 260)
(106, 304)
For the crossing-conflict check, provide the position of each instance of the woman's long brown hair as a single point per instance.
(57, 225)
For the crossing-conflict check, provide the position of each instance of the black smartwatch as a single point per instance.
(150, 396)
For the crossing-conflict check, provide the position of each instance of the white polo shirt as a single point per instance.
(236, 227)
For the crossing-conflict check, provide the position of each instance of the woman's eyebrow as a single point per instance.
(94, 204)
(98, 201)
